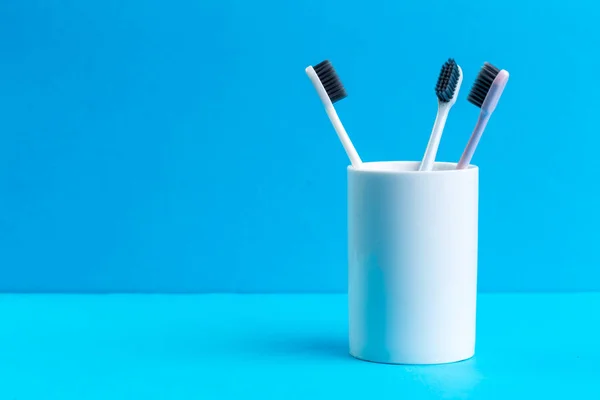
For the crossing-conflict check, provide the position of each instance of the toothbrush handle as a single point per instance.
(484, 117)
(434, 139)
(344, 138)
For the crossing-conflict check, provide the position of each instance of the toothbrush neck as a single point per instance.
(444, 107)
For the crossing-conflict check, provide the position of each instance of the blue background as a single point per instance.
(179, 146)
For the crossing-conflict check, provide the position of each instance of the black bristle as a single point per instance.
(482, 84)
(447, 81)
(330, 80)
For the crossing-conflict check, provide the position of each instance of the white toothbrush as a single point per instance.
(446, 89)
(330, 90)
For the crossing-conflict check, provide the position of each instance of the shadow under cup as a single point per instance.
(412, 273)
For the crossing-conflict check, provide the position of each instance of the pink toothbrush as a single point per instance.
(485, 94)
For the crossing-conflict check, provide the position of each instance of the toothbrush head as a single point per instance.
(330, 81)
(488, 87)
(449, 82)
(482, 84)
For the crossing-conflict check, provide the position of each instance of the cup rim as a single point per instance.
(375, 167)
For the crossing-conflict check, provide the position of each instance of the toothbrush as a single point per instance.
(446, 89)
(330, 90)
(485, 94)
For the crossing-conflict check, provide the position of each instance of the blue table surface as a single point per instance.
(281, 347)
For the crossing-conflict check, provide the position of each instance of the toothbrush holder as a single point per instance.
(412, 267)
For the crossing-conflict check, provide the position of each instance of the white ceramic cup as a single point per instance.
(412, 273)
